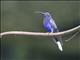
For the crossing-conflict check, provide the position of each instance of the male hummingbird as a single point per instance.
(51, 27)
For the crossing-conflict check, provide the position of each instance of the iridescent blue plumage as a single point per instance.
(48, 23)
(50, 26)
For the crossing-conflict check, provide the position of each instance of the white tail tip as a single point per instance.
(59, 45)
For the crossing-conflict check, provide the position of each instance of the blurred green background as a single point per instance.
(20, 16)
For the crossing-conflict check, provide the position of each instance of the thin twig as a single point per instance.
(39, 33)
(72, 36)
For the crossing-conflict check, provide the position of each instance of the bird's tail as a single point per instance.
(58, 41)
(59, 45)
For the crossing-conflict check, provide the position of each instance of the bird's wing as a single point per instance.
(58, 38)
(53, 23)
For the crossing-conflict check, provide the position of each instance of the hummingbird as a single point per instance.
(51, 27)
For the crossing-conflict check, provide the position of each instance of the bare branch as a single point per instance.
(39, 33)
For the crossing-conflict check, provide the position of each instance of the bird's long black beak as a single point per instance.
(39, 12)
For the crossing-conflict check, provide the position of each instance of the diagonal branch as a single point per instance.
(39, 33)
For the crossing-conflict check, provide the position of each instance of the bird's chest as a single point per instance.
(48, 25)
(46, 22)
